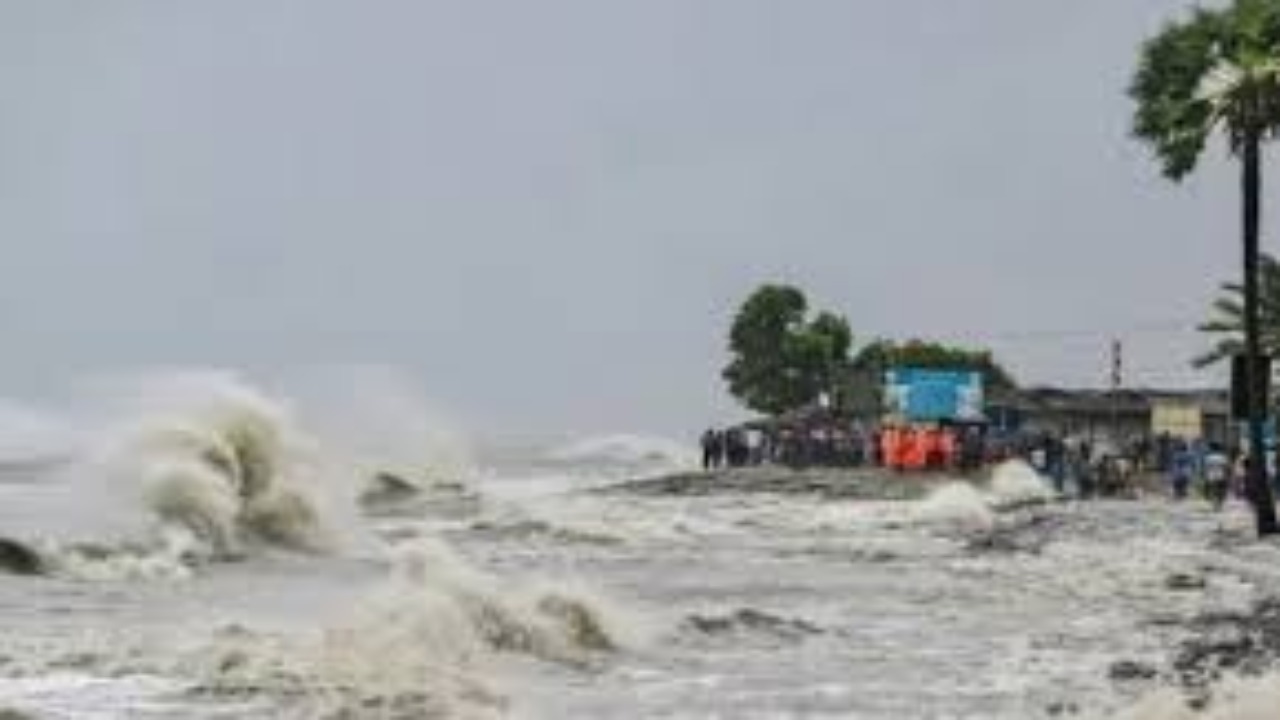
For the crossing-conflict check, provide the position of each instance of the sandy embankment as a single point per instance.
(857, 483)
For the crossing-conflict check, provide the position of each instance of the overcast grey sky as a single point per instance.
(548, 211)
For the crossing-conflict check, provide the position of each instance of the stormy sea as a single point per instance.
(192, 546)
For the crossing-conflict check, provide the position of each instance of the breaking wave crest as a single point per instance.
(221, 461)
(1015, 484)
(420, 647)
(965, 506)
(202, 468)
(557, 622)
(956, 504)
(172, 555)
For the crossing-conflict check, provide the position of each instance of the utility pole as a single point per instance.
(1117, 380)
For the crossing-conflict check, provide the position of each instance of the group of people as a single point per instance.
(1091, 469)
(726, 448)
(1218, 473)
(921, 448)
(905, 448)
(1184, 466)
(820, 446)
(1069, 463)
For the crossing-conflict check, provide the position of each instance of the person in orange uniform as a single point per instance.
(932, 448)
(913, 449)
(947, 447)
(927, 440)
(890, 446)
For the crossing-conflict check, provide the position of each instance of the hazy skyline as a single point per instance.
(546, 213)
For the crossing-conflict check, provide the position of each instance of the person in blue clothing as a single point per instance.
(1217, 475)
(1182, 468)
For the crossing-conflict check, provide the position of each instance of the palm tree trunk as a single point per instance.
(1259, 487)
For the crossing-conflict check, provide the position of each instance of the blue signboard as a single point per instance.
(919, 395)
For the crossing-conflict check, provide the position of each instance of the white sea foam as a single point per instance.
(192, 467)
(1233, 699)
(215, 456)
(550, 620)
(422, 645)
(1017, 483)
(956, 504)
(964, 505)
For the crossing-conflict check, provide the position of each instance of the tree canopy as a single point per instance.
(1217, 69)
(884, 354)
(781, 359)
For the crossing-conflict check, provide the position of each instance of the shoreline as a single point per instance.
(833, 483)
(865, 483)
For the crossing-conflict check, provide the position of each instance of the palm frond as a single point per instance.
(1227, 321)
(1171, 117)
(1219, 328)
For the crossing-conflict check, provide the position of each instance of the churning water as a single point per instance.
(203, 550)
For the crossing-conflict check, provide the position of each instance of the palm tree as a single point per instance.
(1228, 323)
(1220, 70)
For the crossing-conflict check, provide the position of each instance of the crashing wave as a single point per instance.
(1017, 484)
(206, 468)
(964, 506)
(956, 504)
(559, 622)
(226, 463)
(420, 647)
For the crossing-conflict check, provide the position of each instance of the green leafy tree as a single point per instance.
(1219, 70)
(780, 359)
(1227, 325)
(823, 352)
(884, 354)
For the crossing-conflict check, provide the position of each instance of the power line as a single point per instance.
(1151, 355)
(1177, 328)
(1166, 328)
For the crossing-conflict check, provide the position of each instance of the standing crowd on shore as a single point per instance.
(906, 448)
(1071, 464)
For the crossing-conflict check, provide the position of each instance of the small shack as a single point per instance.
(1128, 414)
